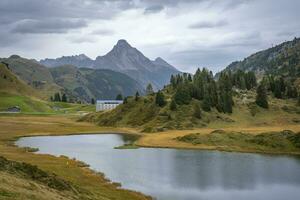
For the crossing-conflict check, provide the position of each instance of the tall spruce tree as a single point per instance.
(225, 100)
(160, 99)
(57, 97)
(261, 96)
(206, 103)
(149, 89)
(137, 96)
(64, 98)
(173, 105)
(119, 97)
(197, 111)
(182, 95)
(277, 89)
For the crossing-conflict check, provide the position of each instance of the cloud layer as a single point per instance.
(188, 33)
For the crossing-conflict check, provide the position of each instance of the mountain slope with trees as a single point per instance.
(94, 83)
(199, 101)
(281, 60)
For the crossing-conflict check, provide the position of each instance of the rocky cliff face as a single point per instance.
(77, 60)
(125, 59)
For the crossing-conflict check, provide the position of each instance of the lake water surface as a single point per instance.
(170, 174)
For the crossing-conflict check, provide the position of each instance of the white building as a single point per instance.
(107, 104)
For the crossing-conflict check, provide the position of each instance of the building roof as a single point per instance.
(109, 101)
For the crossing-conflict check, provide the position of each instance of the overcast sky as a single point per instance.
(186, 33)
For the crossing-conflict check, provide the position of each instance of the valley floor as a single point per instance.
(88, 184)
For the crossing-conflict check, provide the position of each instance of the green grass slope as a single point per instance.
(33, 74)
(284, 141)
(147, 116)
(15, 92)
(10, 82)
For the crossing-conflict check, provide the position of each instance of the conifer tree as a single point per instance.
(119, 97)
(225, 101)
(173, 81)
(197, 111)
(93, 101)
(149, 89)
(173, 105)
(182, 95)
(190, 78)
(160, 99)
(137, 95)
(261, 96)
(125, 100)
(277, 89)
(57, 97)
(64, 98)
(206, 101)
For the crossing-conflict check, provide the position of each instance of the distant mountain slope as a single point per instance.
(9, 83)
(77, 60)
(283, 59)
(125, 59)
(78, 84)
(34, 74)
(15, 92)
(94, 83)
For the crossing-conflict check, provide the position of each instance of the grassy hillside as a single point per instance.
(283, 59)
(98, 84)
(30, 182)
(31, 105)
(9, 82)
(149, 117)
(15, 92)
(33, 74)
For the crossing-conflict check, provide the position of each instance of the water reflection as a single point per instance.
(180, 174)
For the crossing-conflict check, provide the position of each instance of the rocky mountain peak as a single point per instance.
(122, 45)
(160, 60)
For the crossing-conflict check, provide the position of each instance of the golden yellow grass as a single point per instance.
(13, 187)
(94, 185)
(167, 139)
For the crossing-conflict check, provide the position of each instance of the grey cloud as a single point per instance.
(153, 9)
(80, 40)
(48, 26)
(15, 10)
(103, 32)
(8, 39)
(244, 40)
(214, 59)
(208, 24)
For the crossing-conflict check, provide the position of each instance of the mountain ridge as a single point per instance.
(79, 84)
(125, 59)
(282, 59)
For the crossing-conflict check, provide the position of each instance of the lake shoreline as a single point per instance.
(91, 182)
(101, 155)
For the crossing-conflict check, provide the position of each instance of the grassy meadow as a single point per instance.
(88, 184)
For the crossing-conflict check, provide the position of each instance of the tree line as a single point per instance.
(213, 93)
